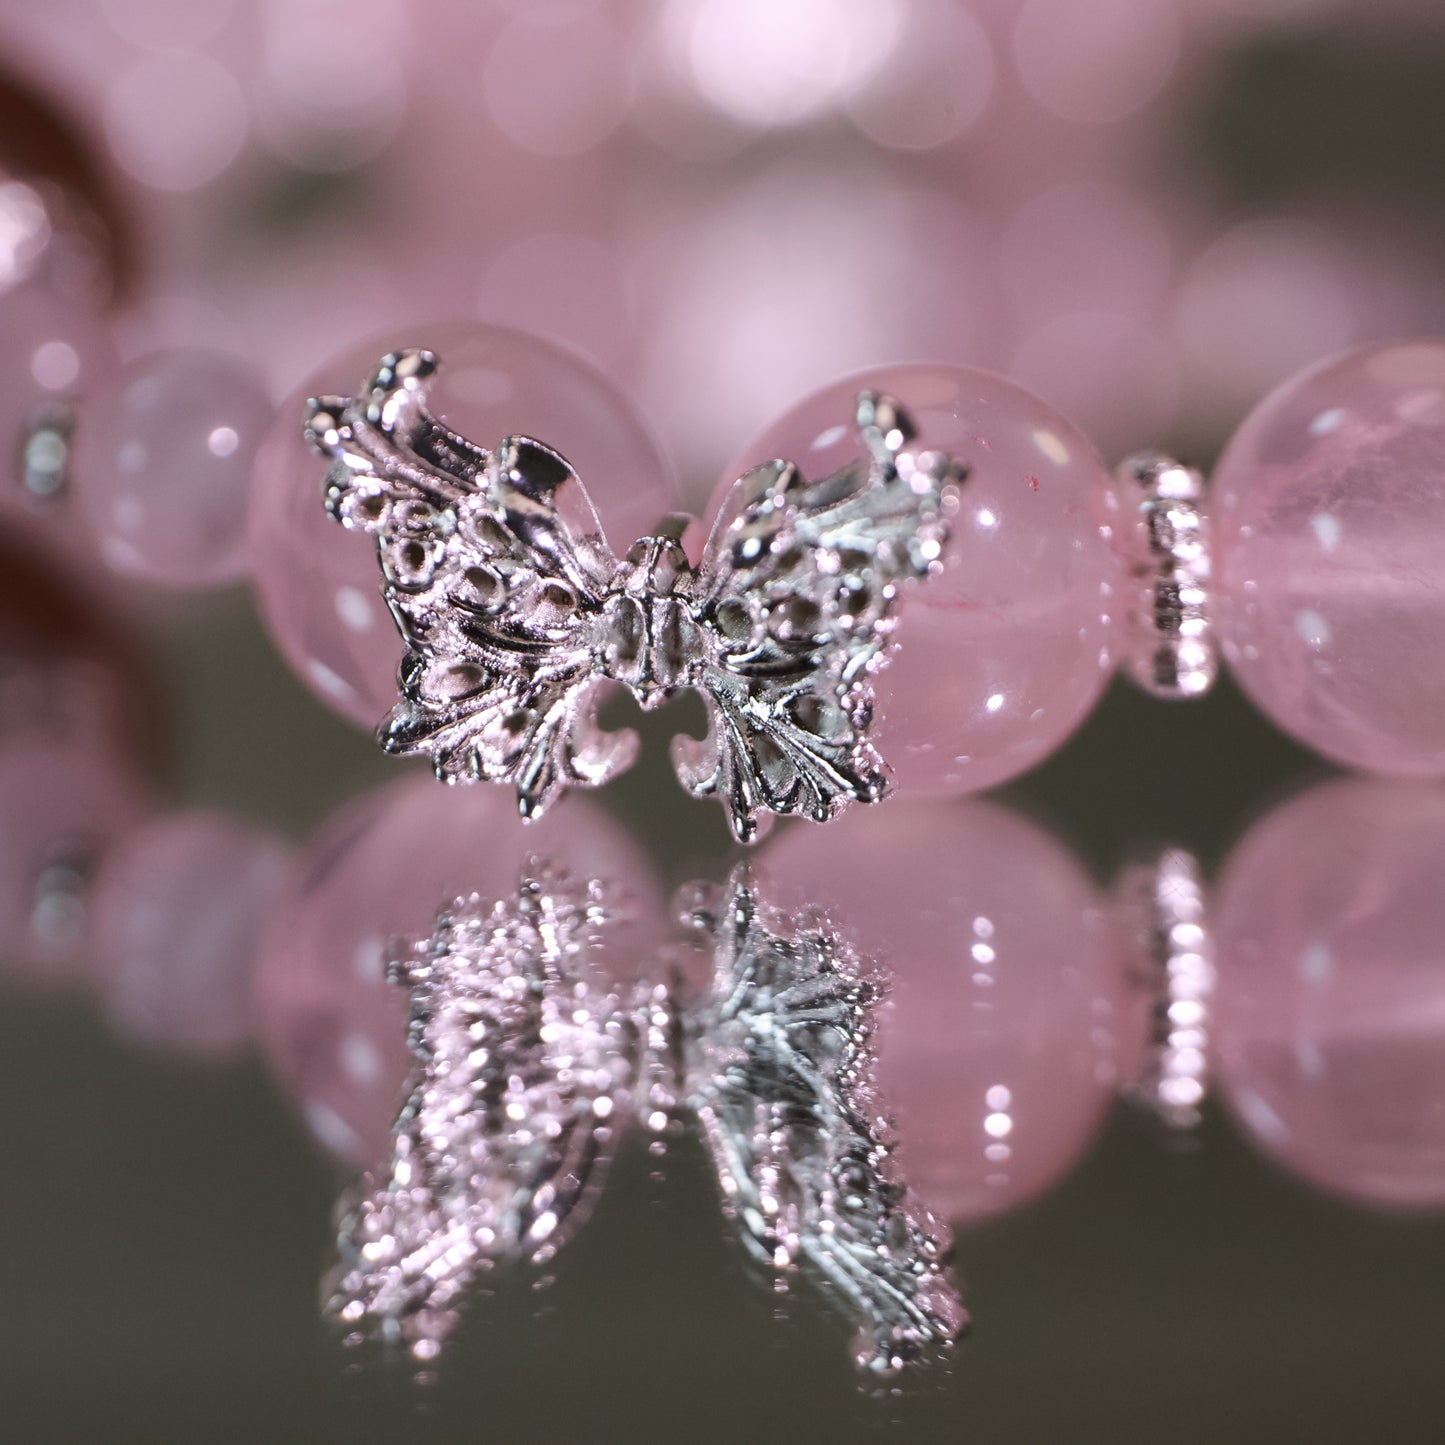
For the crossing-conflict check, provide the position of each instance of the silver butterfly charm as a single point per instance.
(514, 610)
(529, 1066)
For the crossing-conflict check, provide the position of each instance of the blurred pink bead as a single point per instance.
(935, 79)
(53, 350)
(1331, 1003)
(1002, 655)
(65, 799)
(745, 270)
(175, 922)
(1099, 63)
(998, 1047)
(318, 584)
(377, 873)
(162, 466)
(1329, 523)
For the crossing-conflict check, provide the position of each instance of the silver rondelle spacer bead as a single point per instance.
(1163, 911)
(1169, 649)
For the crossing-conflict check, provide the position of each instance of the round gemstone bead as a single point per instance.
(318, 584)
(1330, 1013)
(1329, 519)
(162, 467)
(999, 1047)
(175, 920)
(1002, 655)
(334, 1026)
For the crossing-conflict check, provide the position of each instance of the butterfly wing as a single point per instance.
(495, 570)
(797, 594)
(779, 1062)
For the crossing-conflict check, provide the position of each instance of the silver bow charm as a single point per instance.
(514, 610)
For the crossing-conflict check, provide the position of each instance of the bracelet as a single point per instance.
(1054, 573)
(1301, 989)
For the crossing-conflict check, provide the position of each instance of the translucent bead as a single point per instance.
(1331, 1003)
(1330, 557)
(318, 584)
(1002, 655)
(162, 470)
(335, 1027)
(175, 921)
(53, 350)
(999, 1048)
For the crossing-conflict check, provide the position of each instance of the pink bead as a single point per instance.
(65, 799)
(53, 351)
(1330, 537)
(998, 1047)
(318, 584)
(1001, 656)
(1331, 1004)
(378, 872)
(162, 468)
(175, 920)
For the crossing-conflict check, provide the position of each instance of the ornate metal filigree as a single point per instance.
(779, 1066)
(1170, 649)
(521, 1064)
(514, 609)
(528, 1065)
(1163, 910)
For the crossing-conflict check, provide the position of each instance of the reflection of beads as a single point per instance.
(1162, 911)
(1330, 1029)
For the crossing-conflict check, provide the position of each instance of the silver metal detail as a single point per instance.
(1163, 907)
(1171, 650)
(780, 1070)
(45, 456)
(60, 896)
(528, 1066)
(522, 1061)
(514, 609)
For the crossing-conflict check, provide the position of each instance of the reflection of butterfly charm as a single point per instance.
(507, 1126)
(529, 1065)
(514, 609)
(779, 1071)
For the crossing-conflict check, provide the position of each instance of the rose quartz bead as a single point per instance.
(377, 872)
(1331, 1005)
(998, 1048)
(318, 584)
(1002, 655)
(1330, 538)
(53, 350)
(65, 799)
(175, 921)
(162, 467)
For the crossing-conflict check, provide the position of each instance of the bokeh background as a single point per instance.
(1148, 211)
